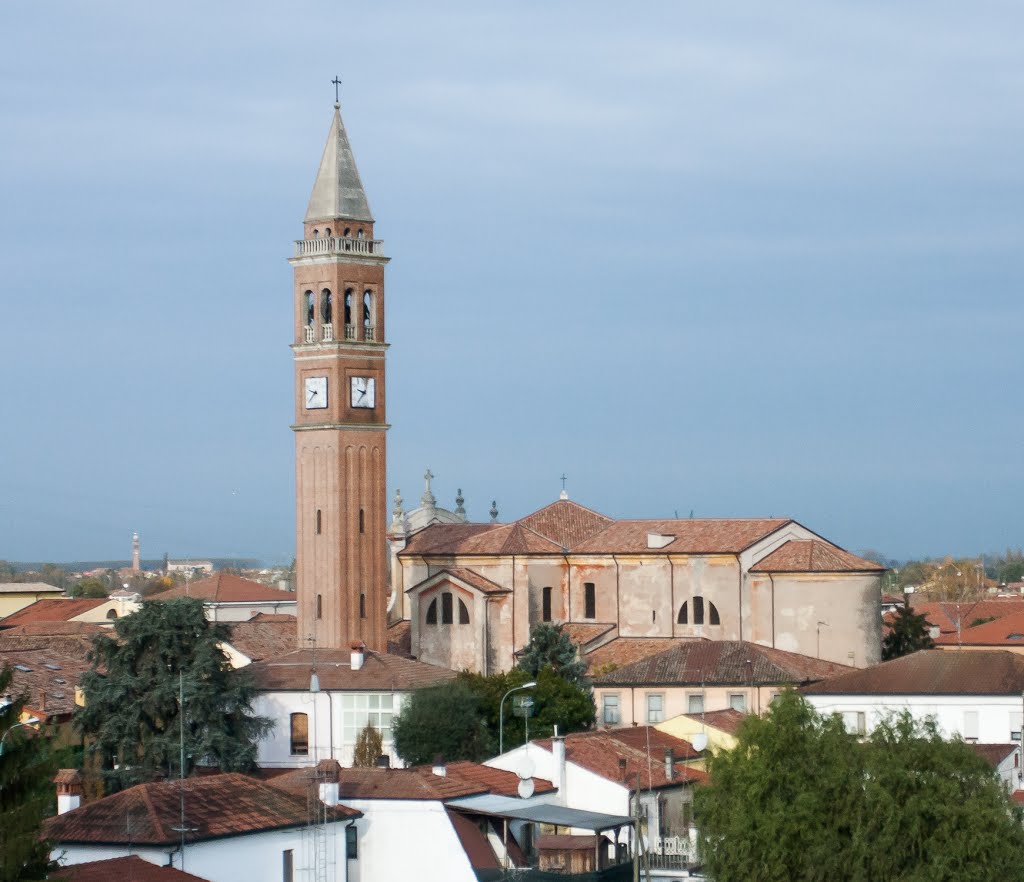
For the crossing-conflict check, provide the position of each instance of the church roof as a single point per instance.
(813, 556)
(227, 588)
(338, 191)
(565, 522)
(462, 574)
(688, 535)
(380, 672)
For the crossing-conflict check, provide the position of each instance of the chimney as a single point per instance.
(558, 753)
(622, 769)
(328, 772)
(439, 768)
(384, 761)
(358, 655)
(69, 790)
(669, 764)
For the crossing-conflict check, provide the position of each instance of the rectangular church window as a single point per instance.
(589, 601)
(546, 605)
(446, 608)
(299, 735)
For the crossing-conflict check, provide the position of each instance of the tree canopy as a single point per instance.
(799, 797)
(908, 632)
(550, 646)
(369, 747)
(27, 765)
(131, 718)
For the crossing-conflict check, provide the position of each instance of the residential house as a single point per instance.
(715, 729)
(222, 828)
(123, 869)
(459, 822)
(1006, 760)
(697, 676)
(976, 695)
(1005, 632)
(947, 618)
(98, 610)
(320, 717)
(230, 598)
(18, 595)
(471, 593)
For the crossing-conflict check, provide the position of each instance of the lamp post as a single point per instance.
(31, 721)
(501, 713)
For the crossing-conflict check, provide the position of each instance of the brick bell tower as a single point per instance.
(340, 428)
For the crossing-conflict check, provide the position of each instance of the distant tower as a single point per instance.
(338, 344)
(135, 553)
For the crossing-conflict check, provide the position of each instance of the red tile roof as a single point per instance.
(933, 672)
(692, 536)
(1006, 630)
(462, 778)
(813, 556)
(481, 583)
(265, 638)
(47, 670)
(218, 805)
(994, 754)
(56, 609)
(601, 751)
(566, 523)
(582, 633)
(131, 868)
(54, 629)
(227, 588)
(626, 650)
(380, 672)
(944, 615)
(721, 662)
(400, 639)
(727, 720)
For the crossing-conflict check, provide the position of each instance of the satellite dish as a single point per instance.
(700, 741)
(526, 788)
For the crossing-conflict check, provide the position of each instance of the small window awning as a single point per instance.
(540, 813)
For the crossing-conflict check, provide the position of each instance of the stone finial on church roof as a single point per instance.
(494, 511)
(428, 499)
(398, 513)
(460, 505)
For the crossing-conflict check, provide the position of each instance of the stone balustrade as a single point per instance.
(330, 245)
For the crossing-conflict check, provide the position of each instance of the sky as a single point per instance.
(736, 259)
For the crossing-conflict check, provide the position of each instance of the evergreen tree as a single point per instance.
(446, 719)
(27, 766)
(369, 746)
(908, 632)
(132, 717)
(550, 645)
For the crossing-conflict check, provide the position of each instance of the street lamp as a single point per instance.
(501, 713)
(31, 721)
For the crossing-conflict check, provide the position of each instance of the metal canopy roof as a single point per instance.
(541, 813)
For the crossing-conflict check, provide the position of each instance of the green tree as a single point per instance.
(369, 746)
(27, 766)
(550, 645)
(446, 719)
(90, 586)
(131, 717)
(799, 797)
(908, 632)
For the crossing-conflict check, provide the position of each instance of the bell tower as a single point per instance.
(340, 393)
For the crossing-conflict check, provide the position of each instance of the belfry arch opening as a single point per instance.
(326, 306)
(309, 307)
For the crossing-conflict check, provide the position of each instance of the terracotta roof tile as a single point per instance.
(994, 754)
(692, 536)
(944, 615)
(933, 672)
(29, 588)
(227, 588)
(47, 670)
(727, 720)
(481, 583)
(601, 751)
(130, 868)
(272, 617)
(566, 523)
(582, 633)
(446, 538)
(261, 639)
(626, 650)
(218, 805)
(56, 609)
(54, 629)
(813, 556)
(721, 662)
(1003, 631)
(380, 672)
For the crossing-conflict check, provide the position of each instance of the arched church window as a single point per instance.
(359, 235)
(463, 613)
(713, 618)
(348, 306)
(367, 308)
(698, 613)
(319, 606)
(446, 608)
(327, 232)
(432, 612)
(310, 307)
(325, 306)
(545, 612)
(316, 234)
(684, 614)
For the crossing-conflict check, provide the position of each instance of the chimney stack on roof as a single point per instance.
(69, 790)
(558, 752)
(669, 764)
(328, 773)
(622, 768)
(358, 655)
(439, 767)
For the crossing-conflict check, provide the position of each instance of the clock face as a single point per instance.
(363, 391)
(316, 393)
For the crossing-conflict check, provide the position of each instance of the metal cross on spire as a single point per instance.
(337, 83)
(564, 494)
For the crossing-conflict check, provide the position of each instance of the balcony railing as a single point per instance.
(339, 245)
(310, 334)
(369, 332)
(350, 332)
(327, 332)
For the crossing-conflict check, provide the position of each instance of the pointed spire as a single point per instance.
(460, 505)
(338, 191)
